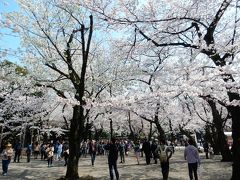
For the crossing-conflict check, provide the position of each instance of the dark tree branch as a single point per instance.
(210, 30)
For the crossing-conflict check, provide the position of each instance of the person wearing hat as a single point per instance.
(6, 158)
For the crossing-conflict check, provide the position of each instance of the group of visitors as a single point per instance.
(54, 151)
(156, 150)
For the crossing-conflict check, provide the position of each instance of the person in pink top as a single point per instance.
(192, 157)
(6, 158)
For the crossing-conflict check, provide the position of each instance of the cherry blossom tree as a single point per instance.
(21, 103)
(198, 39)
(209, 28)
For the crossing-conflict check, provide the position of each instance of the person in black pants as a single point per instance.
(164, 154)
(18, 150)
(29, 152)
(206, 149)
(193, 159)
(154, 146)
(112, 158)
(147, 150)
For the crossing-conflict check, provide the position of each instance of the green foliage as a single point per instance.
(21, 71)
(38, 94)
(18, 69)
(105, 135)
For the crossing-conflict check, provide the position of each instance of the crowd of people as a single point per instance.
(153, 151)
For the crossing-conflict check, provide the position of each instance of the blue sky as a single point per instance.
(8, 41)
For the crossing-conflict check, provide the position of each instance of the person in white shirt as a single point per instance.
(192, 157)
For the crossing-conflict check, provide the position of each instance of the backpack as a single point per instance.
(163, 155)
(121, 147)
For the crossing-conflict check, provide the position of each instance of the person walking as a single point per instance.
(164, 154)
(36, 150)
(6, 158)
(59, 151)
(154, 146)
(136, 148)
(92, 151)
(206, 149)
(141, 148)
(29, 152)
(121, 149)
(147, 150)
(50, 153)
(84, 149)
(18, 150)
(65, 153)
(66, 156)
(112, 158)
(43, 151)
(127, 147)
(193, 159)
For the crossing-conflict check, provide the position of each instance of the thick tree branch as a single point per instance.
(210, 30)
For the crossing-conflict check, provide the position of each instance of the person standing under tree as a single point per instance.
(6, 158)
(193, 159)
(112, 158)
(164, 154)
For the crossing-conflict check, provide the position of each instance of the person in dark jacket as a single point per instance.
(112, 158)
(18, 150)
(92, 150)
(29, 152)
(154, 146)
(147, 150)
(206, 149)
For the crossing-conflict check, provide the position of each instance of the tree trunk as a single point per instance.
(216, 146)
(150, 131)
(160, 131)
(76, 130)
(210, 136)
(111, 128)
(171, 131)
(219, 125)
(235, 112)
(132, 134)
(158, 125)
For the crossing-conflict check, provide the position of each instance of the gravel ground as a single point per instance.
(212, 169)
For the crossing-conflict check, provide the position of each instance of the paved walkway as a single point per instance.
(213, 169)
